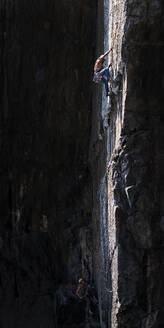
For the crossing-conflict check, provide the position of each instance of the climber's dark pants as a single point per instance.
(105, 78)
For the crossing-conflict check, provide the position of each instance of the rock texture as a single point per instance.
(136, 240)
(98, 157)
(69, 174)
(73, 311)
(132, 177)
(46, 58)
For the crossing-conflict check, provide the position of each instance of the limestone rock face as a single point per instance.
(46, 57)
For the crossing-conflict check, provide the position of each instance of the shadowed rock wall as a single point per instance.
(45, 185)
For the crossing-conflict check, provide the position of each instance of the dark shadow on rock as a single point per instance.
(71, 311)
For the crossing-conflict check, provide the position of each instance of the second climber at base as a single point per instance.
(88, 294)
(101, 73)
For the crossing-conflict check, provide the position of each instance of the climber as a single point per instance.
(101, 73)
(87, 293)
(82, 288)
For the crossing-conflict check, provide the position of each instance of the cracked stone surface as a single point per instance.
(132, 154)
(133, 174)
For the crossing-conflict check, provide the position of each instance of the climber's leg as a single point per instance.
(105, 78)
(105, 73)
(106, 86)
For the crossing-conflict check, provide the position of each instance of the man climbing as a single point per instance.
(101, 73)
(87, 294)
(82, 288)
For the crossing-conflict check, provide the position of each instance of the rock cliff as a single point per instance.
(81, 175)
(128, 206)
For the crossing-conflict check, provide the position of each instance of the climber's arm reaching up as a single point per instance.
(100, 61)
(107, 52)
